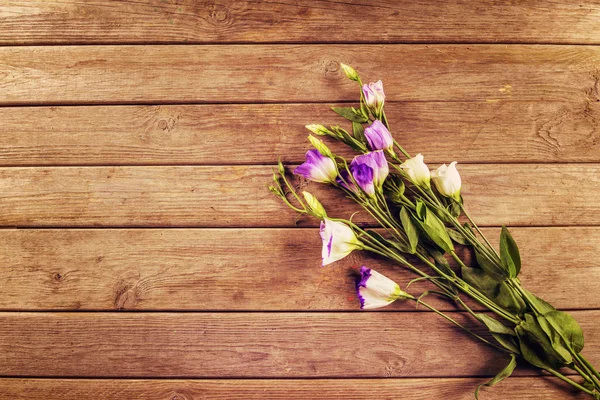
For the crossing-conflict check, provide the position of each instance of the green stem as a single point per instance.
(470, 332)
(589, 365)
(464, 210)
(591, 373)
(569, 381)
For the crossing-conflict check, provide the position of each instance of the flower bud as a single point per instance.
(350, 72)
(314, 205)
(447, 181)
(417, 170)
(374, 97)
(378, 136)
(318, 129)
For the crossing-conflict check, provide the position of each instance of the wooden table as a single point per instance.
(143, 257)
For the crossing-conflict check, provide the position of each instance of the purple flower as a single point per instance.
(376, 161)
(317, 168)
(363, 175)
(375, 290)
(374, 96)
(378, 136)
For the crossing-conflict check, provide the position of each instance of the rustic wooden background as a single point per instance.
(142, 255)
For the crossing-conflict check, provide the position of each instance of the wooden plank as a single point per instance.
(168, 21)
(269, 345)
(189, 134)
(294, 73)
(286, 389)
(245, 269)
(236, 196)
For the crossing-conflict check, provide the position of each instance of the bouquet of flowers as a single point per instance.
(424, 221)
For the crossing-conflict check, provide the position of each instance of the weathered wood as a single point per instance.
(285, 389)
(254, 134)
(237, 196)
(292, 73)
(246, 269)
(169, 21)
(205, 345)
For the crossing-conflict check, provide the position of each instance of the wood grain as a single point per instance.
(169, 21)
(274, 73)
(258, 134)
(269, 345)
(237, 196)
(287, 389)
(246, 269)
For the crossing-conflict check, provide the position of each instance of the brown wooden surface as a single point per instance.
(168, 21)
(157, 124)
(206, 345)
(237, 196)
(225, 269)
(295, 73)
(289, 389)
(531, 131)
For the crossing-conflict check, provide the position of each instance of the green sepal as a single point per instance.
(505, 373)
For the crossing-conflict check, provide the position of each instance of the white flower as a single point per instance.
(339, 240)
(375, 290)
(447, 180)
(417, 170)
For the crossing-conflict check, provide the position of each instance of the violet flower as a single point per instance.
(377, 162)
(374, 97)
(317, 168)
(378, 136)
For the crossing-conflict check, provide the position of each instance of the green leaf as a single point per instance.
(508, 342)
(505, 373)
(441, 261)
(490, 267)
(482, 281)
(454, 208)
(567, 327)
(509, 299)
(494, 325)
(509, 253)
(555, 340)
(419, 209)
(359, 132)
(542, 306)
(409, 229)
(458, 237)
(536, 346)
(350, 114)
(435, 229)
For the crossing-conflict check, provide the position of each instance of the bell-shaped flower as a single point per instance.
(374, 97)
(417, 170)
(378, 136)
(339, 240)
(363, 175)
(375, 290)
(447, 181)
(376, 161)
(317, 167)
